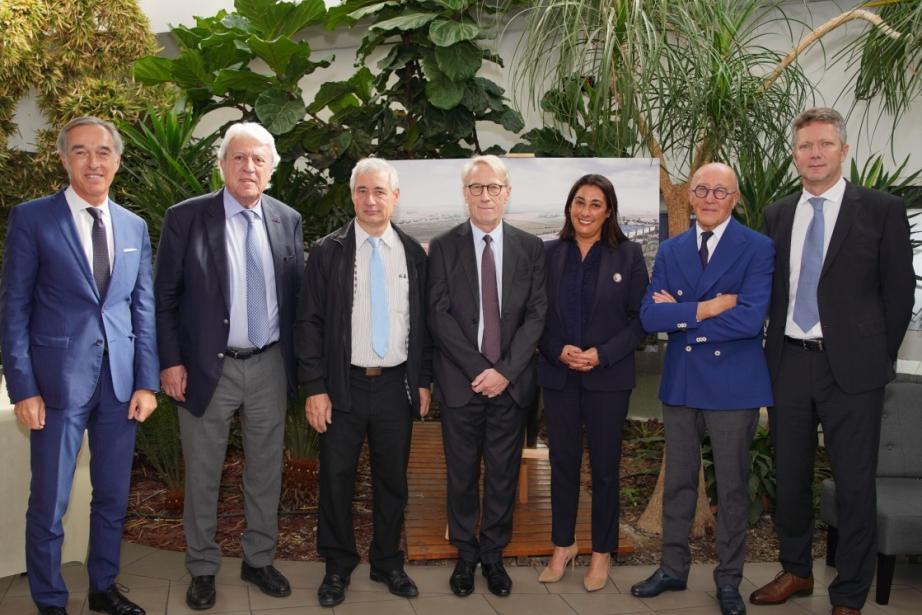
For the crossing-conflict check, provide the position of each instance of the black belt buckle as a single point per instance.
(813, 345)
(243, 355)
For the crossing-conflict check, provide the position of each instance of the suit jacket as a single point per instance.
(866, 286)
(718, 363)
(192, 288)
(454, 313)
(56, 327)
(323, 330)
(613, 327)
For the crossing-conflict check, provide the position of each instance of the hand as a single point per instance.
(142, 405)
(568, 355)
(715, 307)
(319, 411)
(490, 383)
(586, 360)
(663, 296)
(30, 412)
(425, 398)
(173, 382)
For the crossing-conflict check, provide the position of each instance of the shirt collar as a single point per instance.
(718, 230)
(833, 195)
(496, 234)
(78, 203)
(232, 206)
(388, 237)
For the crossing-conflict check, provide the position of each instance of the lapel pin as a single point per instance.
(616, 278)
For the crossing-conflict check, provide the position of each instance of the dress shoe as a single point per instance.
(113, 602)
(845, 610)
(596, 576)
(462, 578)
(498, 581)
(268, 579)
(397, 581)
(52, 610)
(731, 603)
(332, 590)
(656, 584)
(549, 575)
(201, 593)
(782, 587)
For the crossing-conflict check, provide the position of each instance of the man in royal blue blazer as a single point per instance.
(710, 292)
(79, 353)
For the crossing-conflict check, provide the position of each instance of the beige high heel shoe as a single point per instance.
(548, 575)
(594, 581)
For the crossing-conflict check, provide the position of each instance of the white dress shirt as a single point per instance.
(497, 235)
(84, 220)
(235, 243)
(714, 239)
(397, 285)
(802, 217)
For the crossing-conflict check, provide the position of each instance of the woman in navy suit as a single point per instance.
(596, 279)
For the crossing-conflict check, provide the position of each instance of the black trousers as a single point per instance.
(491, 430)
(806, 394)
(381, 411)
(602, 413)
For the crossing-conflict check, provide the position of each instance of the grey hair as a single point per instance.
(826, 115)
(89, 120)
(375, 165)
(495, 163)
(254, 131)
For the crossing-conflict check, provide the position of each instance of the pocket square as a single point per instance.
(130, 250)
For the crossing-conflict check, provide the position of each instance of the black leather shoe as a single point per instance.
(52, 610)
(731, 603)
(332, 590)
(201, 594)
(397, 581)
(113, 602)
(268, 579)
(462, 578)
(497, 580)
(656, 584)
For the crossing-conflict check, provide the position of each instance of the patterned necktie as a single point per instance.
(257, 306)
(380, 323)
(703, 250)
(806, 311)
(100, 252)
(490, 301)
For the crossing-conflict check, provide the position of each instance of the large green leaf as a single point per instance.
(459, 62)
(405, 22)
(446, 32)
(189, 69)
(455, 5)
(278, 112)
(223, 49)
(329, 92)
(153, 70)
(240, 81)
(274, 18)
(277, 53)
(363, 82)
(444, 93)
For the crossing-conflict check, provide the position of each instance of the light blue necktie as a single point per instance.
(257, 308)
(806, 312)
(380, 333)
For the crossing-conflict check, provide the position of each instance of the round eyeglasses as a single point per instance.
(492, 189)
(719, 192)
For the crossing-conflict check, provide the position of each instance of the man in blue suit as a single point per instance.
(710, 292)
(79, 353)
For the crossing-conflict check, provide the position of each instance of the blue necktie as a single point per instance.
(806, 311)
(380, 325)
(257, 308)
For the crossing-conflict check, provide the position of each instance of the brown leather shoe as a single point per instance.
(782, 587)
(845, 610)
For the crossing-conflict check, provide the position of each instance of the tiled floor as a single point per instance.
(157, 581)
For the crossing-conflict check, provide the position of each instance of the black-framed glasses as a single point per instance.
(492, 189)
(720, 193)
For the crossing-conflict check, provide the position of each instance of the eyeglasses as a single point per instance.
(492, 189)
(719, 192)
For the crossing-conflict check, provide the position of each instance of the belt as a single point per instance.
(242, 354)
(815, 345)
(375, 371)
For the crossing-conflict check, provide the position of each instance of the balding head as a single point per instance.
(707, 186)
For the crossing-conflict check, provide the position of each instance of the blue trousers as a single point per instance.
(54, 454)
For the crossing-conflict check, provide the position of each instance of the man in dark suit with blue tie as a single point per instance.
(228, 272)
(487, 304)
(841, 302)
(79, 353)
(710, 293)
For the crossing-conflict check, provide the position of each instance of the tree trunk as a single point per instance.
(652, 518)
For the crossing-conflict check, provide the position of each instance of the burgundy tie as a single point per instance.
(490, 301)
